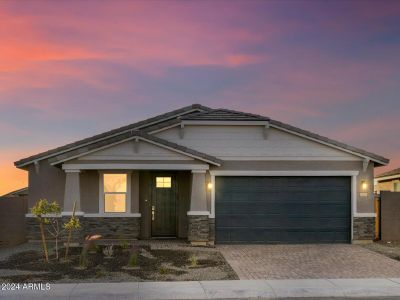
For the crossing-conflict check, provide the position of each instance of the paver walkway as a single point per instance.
(308, 261)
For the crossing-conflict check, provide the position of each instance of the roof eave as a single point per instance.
(147, 138)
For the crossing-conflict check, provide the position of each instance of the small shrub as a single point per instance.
(84, 259)
(108, 251)
(98, 249)
(124, 245)
(89, 242)
(133, 258)
(194, 262)
(163, 270)
(100, 273)
(133, 255)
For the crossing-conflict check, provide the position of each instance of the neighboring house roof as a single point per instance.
(389, 173)
(131, 135)
(196, 113)
(134, 126)
(17, 193)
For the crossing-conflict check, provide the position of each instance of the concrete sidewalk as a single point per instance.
(233, 289)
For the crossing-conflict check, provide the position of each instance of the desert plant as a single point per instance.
(124, 245)
(193, 261)
(163, 270)
(133, 255)
(41, 210)
(108, 251)
(88, 243)
(72, 224)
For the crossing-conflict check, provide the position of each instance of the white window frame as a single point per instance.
(128, 195)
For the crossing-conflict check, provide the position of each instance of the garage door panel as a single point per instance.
(260, 235)
(282, 209)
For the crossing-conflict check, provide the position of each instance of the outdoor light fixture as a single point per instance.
(209, 186)
(364, 185)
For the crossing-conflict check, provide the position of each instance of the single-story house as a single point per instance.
(208, 175)
(388, 181)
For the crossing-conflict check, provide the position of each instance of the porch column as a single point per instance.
(198, 231)
(198, 199)
(72, 191)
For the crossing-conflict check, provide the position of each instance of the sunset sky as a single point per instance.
(72, 69)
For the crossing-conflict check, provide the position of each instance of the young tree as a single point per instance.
(48, 213)
(71, 225)
(43, 209)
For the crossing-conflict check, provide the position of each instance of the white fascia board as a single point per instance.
(104, 138)
(112, 166)
(328, 144)
(387, 177)
(283, 173)
(141, 139)
(164, 128)
(216, 122)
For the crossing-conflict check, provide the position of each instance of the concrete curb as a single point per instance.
(229, 289)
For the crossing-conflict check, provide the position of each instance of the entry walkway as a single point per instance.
(233, 289)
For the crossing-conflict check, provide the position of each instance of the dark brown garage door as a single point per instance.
(283, 209)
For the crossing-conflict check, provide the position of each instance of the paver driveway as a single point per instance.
(308, 261)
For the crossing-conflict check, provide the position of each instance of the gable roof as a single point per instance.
(224, 115)
(134, 126)
(131, 135)
(193, 112)
(389, 173)
(333, 143)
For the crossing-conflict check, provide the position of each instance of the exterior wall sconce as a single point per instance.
(364, 185)
(209, 186)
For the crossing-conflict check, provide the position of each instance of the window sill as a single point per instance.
(113, 215)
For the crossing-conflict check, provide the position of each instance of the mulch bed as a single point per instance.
(154, 265)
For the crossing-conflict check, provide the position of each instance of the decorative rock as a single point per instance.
(199, 228)
(363, 228)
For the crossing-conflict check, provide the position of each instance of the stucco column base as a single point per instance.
(199, 228)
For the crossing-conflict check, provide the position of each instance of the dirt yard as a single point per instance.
(389, 249)
(151, 265)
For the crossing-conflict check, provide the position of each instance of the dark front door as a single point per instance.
(163, 205)
(283, 209)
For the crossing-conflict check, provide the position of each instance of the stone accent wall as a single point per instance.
(199, 228)
(124, 228)
(211, 234)
(32, 229)
(363, 228)
(113, 228)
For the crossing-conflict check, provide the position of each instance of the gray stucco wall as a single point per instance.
(135, 191)
(89, 191)
(48, 183)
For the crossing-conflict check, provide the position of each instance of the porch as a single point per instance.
(151, 201)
